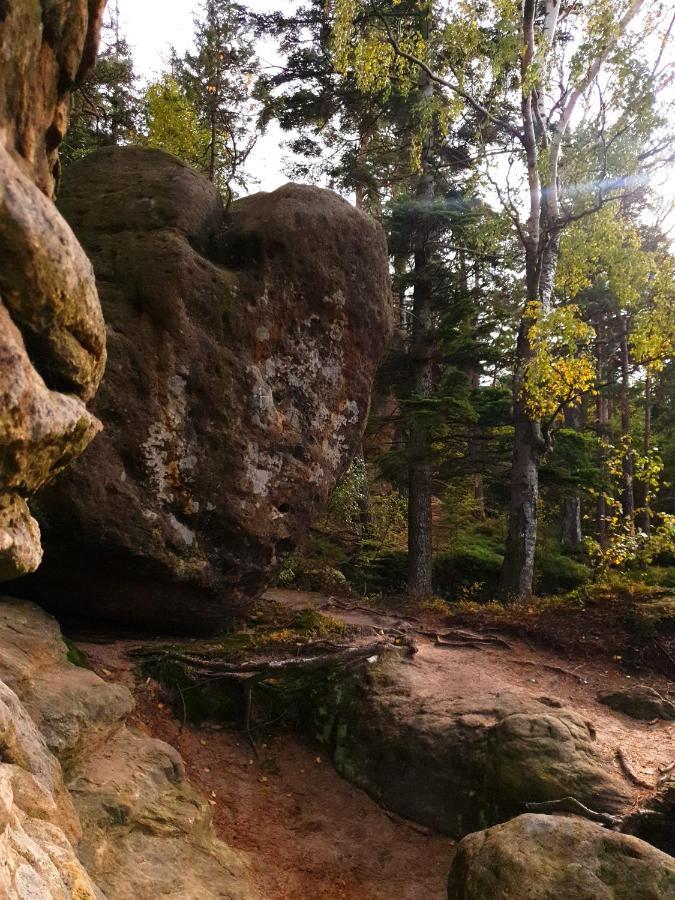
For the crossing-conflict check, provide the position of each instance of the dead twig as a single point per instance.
(665, 772)
(629, 773)
(399, 820)
(572, 805)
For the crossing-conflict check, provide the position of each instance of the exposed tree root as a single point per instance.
(550, 667)
(629, 773)
(355, 607)
(270, 667)
(572, 805)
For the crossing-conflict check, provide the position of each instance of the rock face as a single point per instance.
(552, 858)
(462, 763)
(241, 351)
(90, 809)
(52, 338)
(640, 702)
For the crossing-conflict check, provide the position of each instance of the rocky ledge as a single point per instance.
(89, 808)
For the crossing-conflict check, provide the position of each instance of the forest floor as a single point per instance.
(309, 835)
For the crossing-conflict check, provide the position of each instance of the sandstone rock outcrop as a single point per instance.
(640, 702)
(89, 808)
(460, 763)
(241, 352)
(553, 858)
(52, 338)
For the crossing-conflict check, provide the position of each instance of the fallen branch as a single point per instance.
(572, 805)
(629, 773)
(665, 772)
(550, 667)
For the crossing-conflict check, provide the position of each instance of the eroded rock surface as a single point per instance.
(241, 352)
(640, 702)
(460, 763)
(52, 338)
(126, 824)
(553, 858)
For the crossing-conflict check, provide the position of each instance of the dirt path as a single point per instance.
(309, 834)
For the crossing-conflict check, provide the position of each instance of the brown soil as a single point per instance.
(601, 629)
(311, 836)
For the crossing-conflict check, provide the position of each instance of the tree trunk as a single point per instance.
(571, 535)
(420, 470)
(570, 522)
(641, 488)
(212, 149)
(473, 453)
(627, 496)
(517, 574)
(601, 428)
(363, 499)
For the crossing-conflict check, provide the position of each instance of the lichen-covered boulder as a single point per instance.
(241, 352)
(52, 337)
(554, 858)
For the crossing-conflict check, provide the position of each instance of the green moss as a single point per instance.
(75, 656)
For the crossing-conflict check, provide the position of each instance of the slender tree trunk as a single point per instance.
(628, 495)
(212, 149)
(570, 522)
(642, 489)
(362, 155)
(517, 574)
(420, 468)
(571, 534)
(601, 427)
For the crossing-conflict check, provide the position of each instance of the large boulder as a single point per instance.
(553, 858)
(462, 762)
(242, 347)
(52, 337)
(640, 702)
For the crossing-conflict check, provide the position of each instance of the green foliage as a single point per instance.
(217, 78)
(105, 109)
(172, 124)
(349, 494)
(556, 573)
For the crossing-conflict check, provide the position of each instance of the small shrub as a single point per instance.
(556, 573)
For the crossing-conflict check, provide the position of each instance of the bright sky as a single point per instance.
(153, 26)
